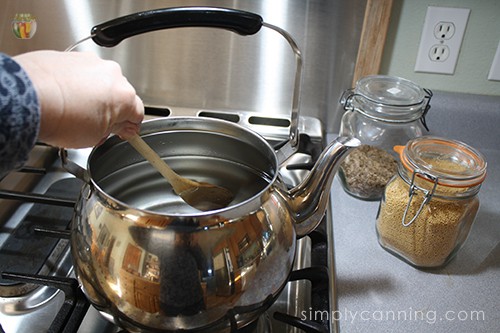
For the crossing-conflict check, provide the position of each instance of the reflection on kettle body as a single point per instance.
(180, 270)
(181, 291)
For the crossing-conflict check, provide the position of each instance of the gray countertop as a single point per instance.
(377, 292)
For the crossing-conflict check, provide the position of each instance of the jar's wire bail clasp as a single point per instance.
(427, 106)
(413, 190)
(346, 99)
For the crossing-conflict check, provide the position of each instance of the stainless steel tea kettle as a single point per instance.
(152, 263)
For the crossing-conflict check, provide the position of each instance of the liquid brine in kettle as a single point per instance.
(142, 187)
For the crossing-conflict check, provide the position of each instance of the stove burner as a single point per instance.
(75, 303)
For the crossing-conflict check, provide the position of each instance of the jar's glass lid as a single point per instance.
(390, 99)
(454, 163)
(390, 90)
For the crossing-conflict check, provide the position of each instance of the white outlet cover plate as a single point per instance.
(435, 15)
(494, 74)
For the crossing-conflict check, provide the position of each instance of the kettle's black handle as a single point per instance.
(112, 32)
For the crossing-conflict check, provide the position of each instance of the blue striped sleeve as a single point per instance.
(19, 115)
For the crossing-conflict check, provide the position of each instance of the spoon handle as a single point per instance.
(149, 154)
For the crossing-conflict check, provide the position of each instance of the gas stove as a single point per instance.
(38, 290)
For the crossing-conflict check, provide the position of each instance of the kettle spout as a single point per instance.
(309, 200)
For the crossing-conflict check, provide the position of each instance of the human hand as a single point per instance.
(83, 98)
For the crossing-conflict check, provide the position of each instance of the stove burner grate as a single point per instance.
(75, 303)
(24, 251)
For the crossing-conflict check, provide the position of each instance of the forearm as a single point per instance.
(19, 115)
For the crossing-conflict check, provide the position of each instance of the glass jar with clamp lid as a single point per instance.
(381, 111)
(428, 208)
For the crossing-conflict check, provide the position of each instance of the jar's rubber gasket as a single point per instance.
(463, 182)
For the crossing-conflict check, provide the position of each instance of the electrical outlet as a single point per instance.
(439, 52)
(444, 30)
(441, 39)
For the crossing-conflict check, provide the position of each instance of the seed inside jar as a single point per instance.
(437, 231)
(366, 171)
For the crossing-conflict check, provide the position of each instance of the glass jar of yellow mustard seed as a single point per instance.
(381, 111)
(428, 208)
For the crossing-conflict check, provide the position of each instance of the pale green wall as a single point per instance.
(479, 45)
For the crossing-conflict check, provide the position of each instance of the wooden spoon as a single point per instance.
(200, 195)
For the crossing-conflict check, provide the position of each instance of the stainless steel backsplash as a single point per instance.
(208, 68)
